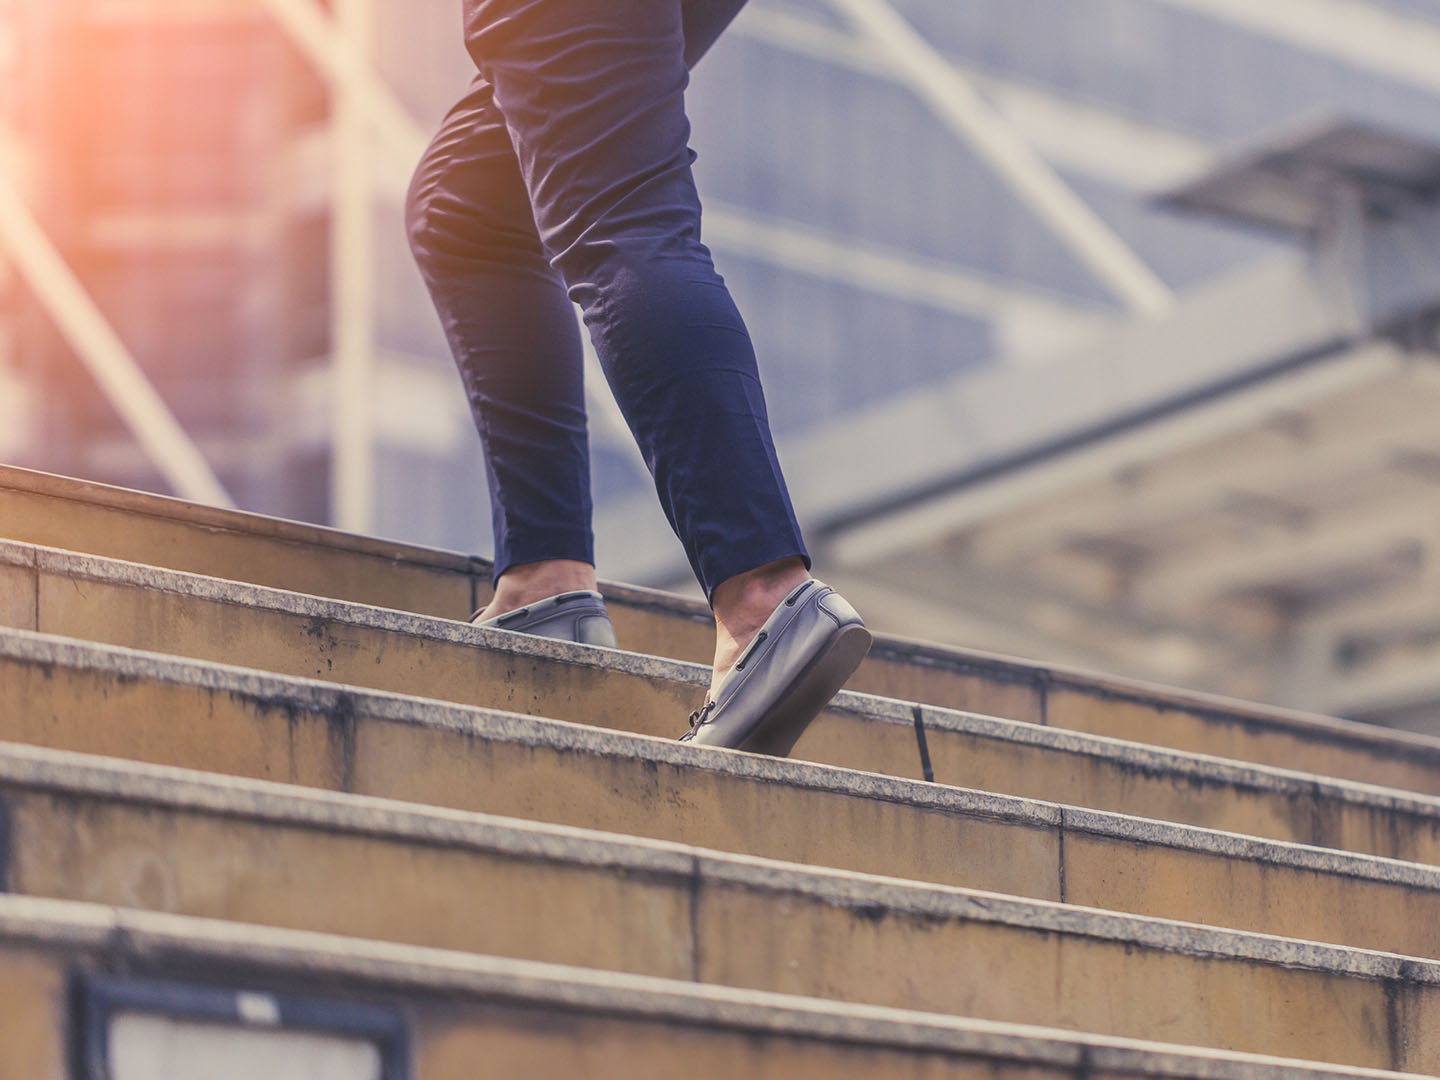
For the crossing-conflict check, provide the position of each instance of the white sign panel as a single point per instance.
(145, 1046)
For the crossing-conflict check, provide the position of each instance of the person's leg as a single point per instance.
(513, 334)
(593, 96)
(466, 201)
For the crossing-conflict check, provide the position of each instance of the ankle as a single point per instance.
(529, 582)
(742, 599)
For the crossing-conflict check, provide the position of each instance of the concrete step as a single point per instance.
(95, 699)
(46, 510)
(270, 630)
(531, 1019)
(94, 830)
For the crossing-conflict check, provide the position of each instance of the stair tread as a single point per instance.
(80, 775)
(242, 593)
(1045, 679)
(130, 935)
(882, 717)
(493, 724)
(1302, 949)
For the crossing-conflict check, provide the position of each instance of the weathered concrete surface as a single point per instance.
(360, 646)
(34, 1018)
(18, 585)
(92, 518)
(143, 836)
(68, 695)
(546, 1020)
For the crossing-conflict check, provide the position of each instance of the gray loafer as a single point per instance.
(573, 616)
(798, 661)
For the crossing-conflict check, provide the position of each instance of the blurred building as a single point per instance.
(1251, 506)
(153, 139)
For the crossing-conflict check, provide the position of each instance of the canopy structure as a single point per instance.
(1263, 515)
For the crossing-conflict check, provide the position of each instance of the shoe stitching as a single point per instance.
(795, 614)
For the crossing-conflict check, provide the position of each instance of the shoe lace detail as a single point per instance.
(698, 719)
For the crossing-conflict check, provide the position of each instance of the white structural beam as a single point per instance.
(1408, 605)
(1082, 137)
(1365, 536)
(104, 355)
(1191, 427)
(347, 69)
(962, 108)
(978, 421)
(1393, 688)
(1364, 35)
(1208, 480)
(352, 288)
(885, 271)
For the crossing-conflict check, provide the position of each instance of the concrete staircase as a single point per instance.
(261, 765)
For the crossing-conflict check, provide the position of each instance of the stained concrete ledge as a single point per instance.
(494, 725)
(1135, 758)
(156, 579)
(83, 776)
(1043, 679)
(219, 519)
(156, 944)
(95, 568)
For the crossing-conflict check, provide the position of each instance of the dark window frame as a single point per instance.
(98, 998)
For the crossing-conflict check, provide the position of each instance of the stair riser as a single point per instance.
(67, 514)
(514, 1040)
(349, 653)
(351, 749)
(348, 747)
(664, 920)
(446, 590)
(33, 1008)
(571, 1031)
(356, 655)
(1113, 782)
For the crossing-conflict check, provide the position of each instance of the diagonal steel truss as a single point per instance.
(102, 352)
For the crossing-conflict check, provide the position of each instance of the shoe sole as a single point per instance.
(810, 691)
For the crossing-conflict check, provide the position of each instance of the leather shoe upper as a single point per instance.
(574, 616)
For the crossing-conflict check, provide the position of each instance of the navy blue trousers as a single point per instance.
(564, 174)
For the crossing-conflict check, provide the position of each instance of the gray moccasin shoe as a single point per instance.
(798, 661)
(573, 616)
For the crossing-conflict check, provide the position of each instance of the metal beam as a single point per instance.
(961, 107)
(1415, 684)
(347, 69)
(1271, 463)
(352, 288)
(1038, 431)
(886, 271)
(104, 355)
(1366, 535)
(1103, 633)
(1363, 35)
(1413, 603)
(1084, 138)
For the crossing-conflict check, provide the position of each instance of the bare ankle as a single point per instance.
(763, 587)
(529, 582)
(744, 602)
